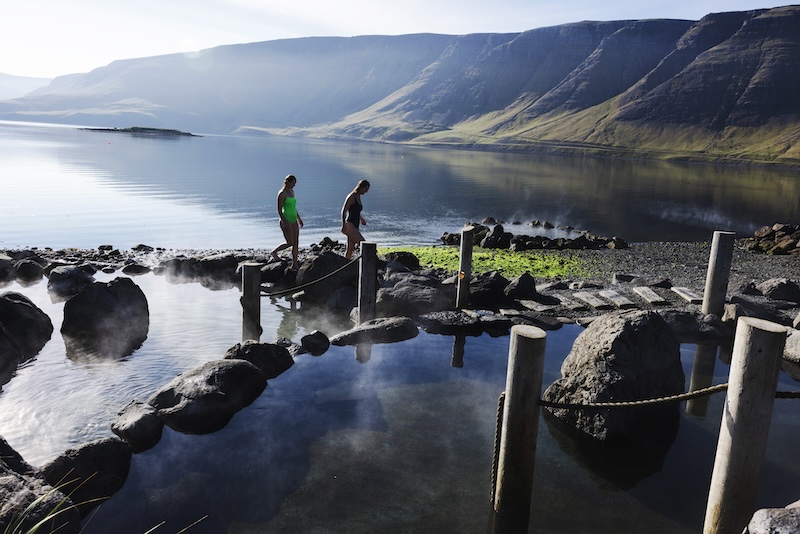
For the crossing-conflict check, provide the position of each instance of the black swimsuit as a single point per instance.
(354, 213)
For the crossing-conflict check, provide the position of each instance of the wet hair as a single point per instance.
(289, 178)
(359, 185)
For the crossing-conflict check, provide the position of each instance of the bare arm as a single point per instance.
(281, 200)
(347, 203)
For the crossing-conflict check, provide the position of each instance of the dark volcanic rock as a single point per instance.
(24, 331)
(90, 473)
(622, 356)
(106, 319)
(204, 399)
(381, 330)
(271, 359)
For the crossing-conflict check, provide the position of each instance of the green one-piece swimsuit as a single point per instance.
(289, 209)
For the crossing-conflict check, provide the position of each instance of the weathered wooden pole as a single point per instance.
(757, 354)
(719, 270)
(464, 266)
(251, 301)
(520, 423)
(705, 358)
(367, 282)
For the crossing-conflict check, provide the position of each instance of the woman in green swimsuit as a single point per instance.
(290, 220)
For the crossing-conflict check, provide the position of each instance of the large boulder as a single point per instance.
(90, 473)
(381, 330)
(621, 356)
(106, 319)
(487, 290)
(204, 399)
(521, 287)
(780, 289)
(28, 271)
(412, 297)
(271, 359)
(66, 281)
(24, 331)
(450, 322)
(139, 425)
(316, 276)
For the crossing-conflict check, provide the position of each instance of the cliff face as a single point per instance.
(724, 86)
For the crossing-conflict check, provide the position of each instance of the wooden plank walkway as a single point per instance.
(537, 306)
(569, 303)
(688, 295)
(649, 295)
(618, 300)
(592, 300)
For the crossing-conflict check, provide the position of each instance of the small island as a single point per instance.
(143, 131)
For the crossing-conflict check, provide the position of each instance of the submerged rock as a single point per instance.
(204, 399)
(271, 359)
(381, 330)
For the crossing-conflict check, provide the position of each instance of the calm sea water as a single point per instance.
(401, 441)
(63, 187)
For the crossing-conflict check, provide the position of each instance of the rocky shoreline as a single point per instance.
(409, 298)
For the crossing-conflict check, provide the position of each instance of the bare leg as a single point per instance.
(287, 235)
(353, 238)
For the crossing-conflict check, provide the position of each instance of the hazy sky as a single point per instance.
(47, 38)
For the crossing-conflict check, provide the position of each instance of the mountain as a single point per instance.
(721, 88)
(16, 86)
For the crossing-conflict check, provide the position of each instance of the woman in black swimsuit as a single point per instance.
(351, 217)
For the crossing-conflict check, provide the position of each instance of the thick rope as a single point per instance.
(661, 400)
(497, 436)
(311, 283)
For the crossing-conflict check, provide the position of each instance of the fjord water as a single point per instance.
(64, 187)
(395, 438)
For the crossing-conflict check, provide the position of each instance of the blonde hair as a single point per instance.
(362, 183)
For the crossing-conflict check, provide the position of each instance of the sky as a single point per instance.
(48, 38)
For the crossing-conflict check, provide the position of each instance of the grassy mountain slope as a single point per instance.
(720, 88)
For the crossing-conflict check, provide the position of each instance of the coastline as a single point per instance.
(660, 264)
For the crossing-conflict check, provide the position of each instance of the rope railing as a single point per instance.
(659, 400)
(311, 283)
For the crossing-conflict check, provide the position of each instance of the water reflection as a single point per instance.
(705, 357)
(459, 342)
(363, 352)
(217, 191)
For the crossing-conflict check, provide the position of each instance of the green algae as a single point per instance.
(540, 264)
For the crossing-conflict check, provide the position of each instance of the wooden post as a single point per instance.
(251, 301)
(719, 269)
(757, 354)
(367, 282)
(512, 494)
(464, 266)
(705, 358)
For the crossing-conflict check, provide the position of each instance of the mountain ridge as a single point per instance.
(719, 89)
